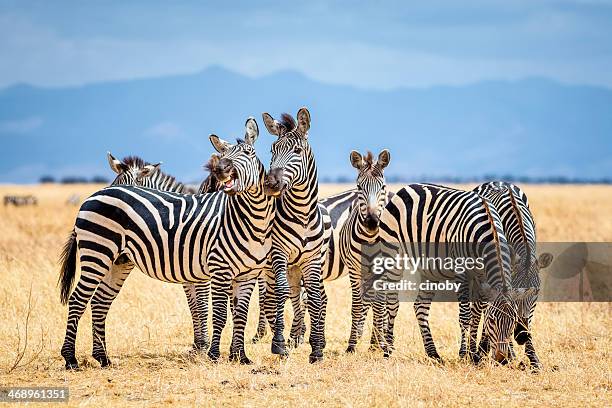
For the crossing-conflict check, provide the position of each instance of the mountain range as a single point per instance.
(533, 127)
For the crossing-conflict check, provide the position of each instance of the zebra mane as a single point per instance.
(368, 160)
(287, 121)
(239, 140)
(138, 162)
(210, 183)
(134, 161)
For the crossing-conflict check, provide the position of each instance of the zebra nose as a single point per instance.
(275, 178)
(371, 222)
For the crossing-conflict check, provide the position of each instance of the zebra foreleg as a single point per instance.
(357, 313)
(313, 286)
(421, 310)
(391, 310)
(476, 351)
(378, 331)
(296, 337)
(281, 291)
(242, 296)
(220, 288)
(263, 321)
(103, 297)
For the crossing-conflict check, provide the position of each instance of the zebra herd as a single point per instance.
(246, 226)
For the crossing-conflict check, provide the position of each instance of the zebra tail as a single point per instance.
(68, 267)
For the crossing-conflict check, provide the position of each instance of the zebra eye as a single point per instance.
(297, 149)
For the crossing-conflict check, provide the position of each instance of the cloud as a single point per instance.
(20, 125)
(165, 130)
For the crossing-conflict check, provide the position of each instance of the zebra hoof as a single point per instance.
(436, 357)
(350, 349)
(475, 358)
(103, 360)
(213, 355)
(278, 345)
(315, 357)
(72, 364)
(240, 356)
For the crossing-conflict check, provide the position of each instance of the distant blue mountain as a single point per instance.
(533, 127)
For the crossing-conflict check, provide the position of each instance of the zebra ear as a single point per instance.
(251, 131)
(356, 159)
(271, 124)
(545, 260)
(115, 164)
(148, 170)
(303, 121)
(219, 144)
(384, 157)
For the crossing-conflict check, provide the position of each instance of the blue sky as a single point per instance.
(377, 45)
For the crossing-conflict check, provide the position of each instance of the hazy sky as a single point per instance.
(365, 44)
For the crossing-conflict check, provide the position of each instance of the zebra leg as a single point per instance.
(296, 336)
(378, 332)
(261, 325)
(392, 309)
(421, 310)
(357, 313)
(103, 297)
(220, 288)
(313, 286)
(464, 312)
(281, 291)
(197, 299)
(242, 296)
(476, 351)
(323, 314)
(93, 270)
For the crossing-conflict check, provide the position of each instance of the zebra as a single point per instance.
(520, 228)
(430, 221)
(335, 210)
(224, 237)
(19, 201)
(133, 170)
(361, 229)
(298, 229)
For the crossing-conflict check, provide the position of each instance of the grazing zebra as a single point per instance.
(426, 221)
(297, 236)
(19, 201)
(223, 237)
(519, 225)
(132, 170)
(361, 229)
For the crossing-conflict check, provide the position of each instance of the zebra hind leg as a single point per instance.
(197, 300)
(296, 336)
(101, 302)
(93, 270)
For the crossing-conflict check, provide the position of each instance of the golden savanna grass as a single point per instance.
(149, 332)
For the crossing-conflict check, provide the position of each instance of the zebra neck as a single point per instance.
(254, 209)
(301, 204)
(359, 229)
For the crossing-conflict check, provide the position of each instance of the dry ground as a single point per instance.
(149, 332)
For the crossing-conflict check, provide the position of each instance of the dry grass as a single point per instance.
(149, 333)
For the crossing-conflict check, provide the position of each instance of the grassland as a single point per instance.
(149, 332)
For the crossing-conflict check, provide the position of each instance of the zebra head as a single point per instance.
(133, 170)
(237, 167)
(371, 187)
(528, 278)
(292, 161)
(501, 318)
